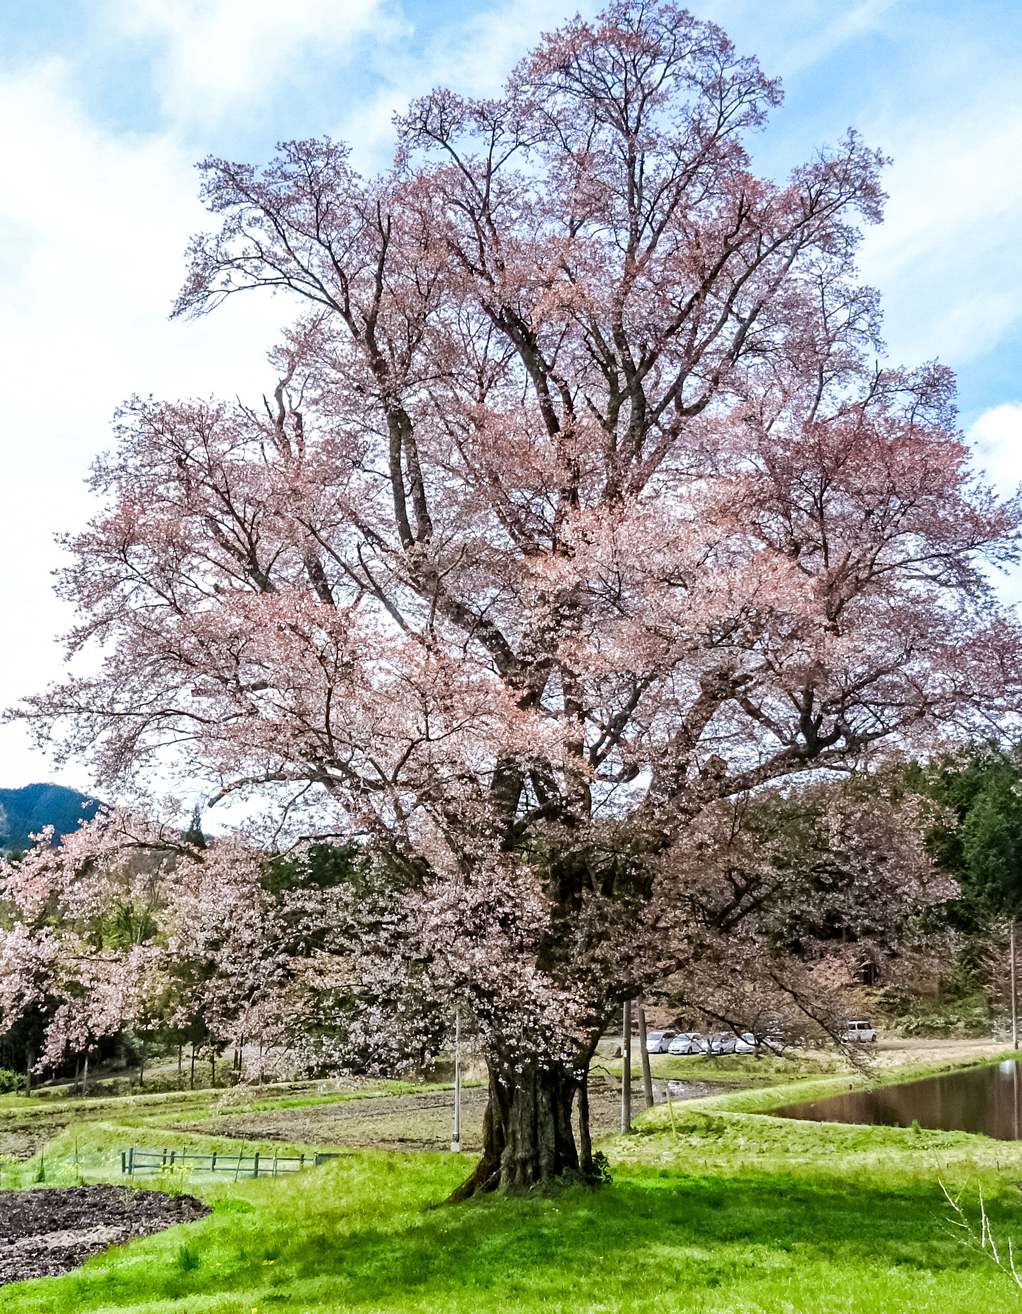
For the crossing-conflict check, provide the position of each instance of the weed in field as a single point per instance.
(188, 1258)
(174, 1178)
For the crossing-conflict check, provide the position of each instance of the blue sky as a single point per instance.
(107, 104)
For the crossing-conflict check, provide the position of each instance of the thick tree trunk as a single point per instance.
(528, 1138)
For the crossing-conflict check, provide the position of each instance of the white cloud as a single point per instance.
(947, 256)
(996, 440)
(939, 93)
(94, 227)
(98, 224)
(218, 56)
(799, 33)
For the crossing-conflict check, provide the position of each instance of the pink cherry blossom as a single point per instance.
(581, 510)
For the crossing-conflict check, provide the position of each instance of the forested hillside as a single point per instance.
(27, 810)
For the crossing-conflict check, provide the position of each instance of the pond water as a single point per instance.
(987, 1100)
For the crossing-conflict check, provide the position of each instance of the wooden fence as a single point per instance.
(135, 1163)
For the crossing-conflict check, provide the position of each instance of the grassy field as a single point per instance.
(725, 1211)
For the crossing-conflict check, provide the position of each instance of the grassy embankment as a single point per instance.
(726, 1211)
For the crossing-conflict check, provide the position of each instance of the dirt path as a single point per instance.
(50, 1231)
(893, 1053)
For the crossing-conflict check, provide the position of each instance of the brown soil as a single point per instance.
(413, 1122)
(21, 1138)
(49, 1231)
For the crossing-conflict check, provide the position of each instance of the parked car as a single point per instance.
(728, 1043)
(658, 1042)
(860, 1033)
(688, 1042)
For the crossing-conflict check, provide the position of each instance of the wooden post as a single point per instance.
(255, 1170)
(1014, 1000)
(131, 1162)
(626, 1066)
(647, 1075)
(191, 1085)
(670, 1110)
(85, 1077)
(456, 1143)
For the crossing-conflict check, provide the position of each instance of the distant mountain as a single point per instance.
(27, 810)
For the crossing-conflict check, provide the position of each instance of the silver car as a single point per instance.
(729, 1043)
(657, 1042)
(688, 1042)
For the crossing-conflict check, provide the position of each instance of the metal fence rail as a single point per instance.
(135, 1162)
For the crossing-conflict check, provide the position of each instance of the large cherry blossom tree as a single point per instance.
(581, 506)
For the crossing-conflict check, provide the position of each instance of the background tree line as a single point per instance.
(136, 940)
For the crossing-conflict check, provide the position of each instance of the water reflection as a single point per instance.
(983, 1100)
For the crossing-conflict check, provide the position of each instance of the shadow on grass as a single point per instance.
(688, 1233)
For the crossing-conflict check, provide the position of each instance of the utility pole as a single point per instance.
(647, 1076)
(626, 1066)
(1014, 1001)
(456, 1143)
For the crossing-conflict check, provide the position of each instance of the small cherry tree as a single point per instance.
(78, 932)
(580, 507)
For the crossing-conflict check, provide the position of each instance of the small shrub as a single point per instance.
(601, 1168)
(228, 1205)
(10, 1082)
(962, 1017)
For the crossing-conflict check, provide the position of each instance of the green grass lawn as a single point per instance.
(728, 1211)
